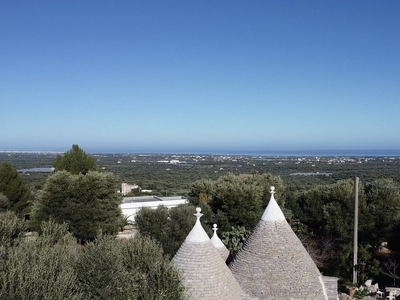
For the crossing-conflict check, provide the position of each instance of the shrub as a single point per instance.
(38, 269)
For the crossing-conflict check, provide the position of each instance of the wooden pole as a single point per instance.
(355, 231)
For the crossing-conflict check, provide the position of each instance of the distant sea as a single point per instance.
(271, 152)
(323, 152)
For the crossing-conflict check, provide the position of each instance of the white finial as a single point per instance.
(218, 244)
(198, 214)
(215, 228)
(272, 190)
(197, 234)
(273, 212)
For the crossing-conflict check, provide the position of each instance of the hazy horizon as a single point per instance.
(247, 152)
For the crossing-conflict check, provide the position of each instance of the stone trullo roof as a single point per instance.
(274, 264)
(219, 245)
(205, 274)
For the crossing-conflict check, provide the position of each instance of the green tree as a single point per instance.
(339, 210)
(328, 210)
(241, 202)
(383, 205)
(201, 191)
(41, 268)
(86, 203)
(157, 277)
(168, 227)
(102, 273)
(75, 161)
(51, 266)
(127, 269)
(12, 186)
(154, 223)
(11, 228)
(4, 203)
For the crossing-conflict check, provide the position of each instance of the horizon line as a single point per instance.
(250, 152)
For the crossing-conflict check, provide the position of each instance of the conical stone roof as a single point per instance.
(205, 274)
(219, 245)
(274, 264)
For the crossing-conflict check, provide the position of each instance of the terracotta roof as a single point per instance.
(205, 274)
(274, 264)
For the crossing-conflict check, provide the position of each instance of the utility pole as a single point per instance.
(355, 231)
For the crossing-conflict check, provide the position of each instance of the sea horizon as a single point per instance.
(271, 152)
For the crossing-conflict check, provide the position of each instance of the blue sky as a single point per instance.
(178, 76)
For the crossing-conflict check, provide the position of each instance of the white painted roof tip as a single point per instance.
(215, 239)
(197, 234)
(273, 212)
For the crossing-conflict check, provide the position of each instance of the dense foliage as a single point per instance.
(13, 188)
(4, 203)
(127, 269)
(168, 227)
(86, 203)
(51, 266)
(327, 211)
(11, 228)
(75, 161)
(237, 201)
(40, 268)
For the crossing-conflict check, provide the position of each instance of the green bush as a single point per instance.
(11, 228)
(168, 227)
(127, 269)
(52, 266)
(101, 272)
(37, 269)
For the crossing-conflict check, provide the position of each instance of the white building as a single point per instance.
(127, 188)
(131, 205)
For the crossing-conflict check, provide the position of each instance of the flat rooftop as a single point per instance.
(140, 199)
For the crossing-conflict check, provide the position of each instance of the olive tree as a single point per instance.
(42, 267)
(11, 228)
(4, 203)
(51, 266)
(127, 269)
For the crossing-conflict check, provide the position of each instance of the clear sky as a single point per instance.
(162, 76)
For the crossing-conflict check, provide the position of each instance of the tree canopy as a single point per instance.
(14, 189)
(236, 201)
(328, 212)
(169, 227)
(49, 267)
(86, 203)
(75, 161)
